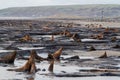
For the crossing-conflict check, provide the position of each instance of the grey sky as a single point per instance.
(21, 3)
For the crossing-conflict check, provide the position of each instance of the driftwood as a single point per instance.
(113, 39)
(98, 36)
(66, 33)
(26, 38)
(29, 67)
(72, 58)
(51, 67)
(76, 37)
(58, 53)
(9, 58)
(50, 57)
(92, 48)
(52, 38)
(36, 57)
(116, 46)
(104, 55)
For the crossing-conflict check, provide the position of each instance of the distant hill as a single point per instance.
(63, 11)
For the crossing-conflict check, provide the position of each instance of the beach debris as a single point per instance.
(67, 33)
(51, 66)
(52, 38)
(73, 57)
(26, 38)
(104, 55)
(46, 28)
(50, 57)
(92, 48)
(116, 46)
(9, 58)
(113, 39)
(58, 53)
(29, 66)
(37, 57)
(98, 36)
(76, 37)
(43, 69)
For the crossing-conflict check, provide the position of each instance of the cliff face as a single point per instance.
(60, 11)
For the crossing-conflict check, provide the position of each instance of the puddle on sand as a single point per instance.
(42, 74)
(83, 78)
(6, 51)
(7, 75)
(30, 48)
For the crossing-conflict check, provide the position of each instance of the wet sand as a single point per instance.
(67, 68)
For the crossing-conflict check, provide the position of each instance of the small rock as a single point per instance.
(63, 71)
(116, 46)
(113, 39)
(43, 69)
(74, 57)
(63, 65)
(92, 48)
(64, 54)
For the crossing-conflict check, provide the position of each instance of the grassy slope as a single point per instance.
(71, 10)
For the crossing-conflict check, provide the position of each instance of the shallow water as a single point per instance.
(6, 51)
(87, 61)
(30, 48)
(11, 75)
(59, 68)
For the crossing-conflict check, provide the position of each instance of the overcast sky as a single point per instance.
(21, 3)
